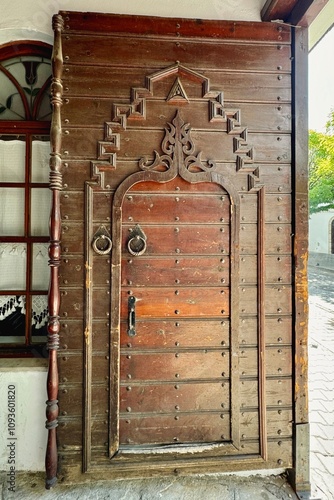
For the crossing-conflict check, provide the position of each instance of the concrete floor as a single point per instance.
(206, 487)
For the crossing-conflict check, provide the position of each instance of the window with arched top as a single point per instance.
(25, 114)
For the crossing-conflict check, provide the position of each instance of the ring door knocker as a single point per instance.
(137, 241)
(102, 243)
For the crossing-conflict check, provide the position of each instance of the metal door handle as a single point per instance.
(137, 241)
(102, 243)
(132, 316)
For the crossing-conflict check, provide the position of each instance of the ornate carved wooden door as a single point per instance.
(176, 277)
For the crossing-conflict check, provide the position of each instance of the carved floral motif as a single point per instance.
(179, 151)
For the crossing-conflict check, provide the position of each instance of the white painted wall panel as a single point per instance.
(25, 441)
(319, 227)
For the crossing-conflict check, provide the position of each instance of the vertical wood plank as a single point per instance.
(261, 278)
(234, 304)
(87, 354)
(115, 327)
(300, 248)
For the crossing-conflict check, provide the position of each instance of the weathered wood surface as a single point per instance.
(114, 114)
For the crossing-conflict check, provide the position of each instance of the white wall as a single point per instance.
(319, 227)
(31, 19)
(25, 440)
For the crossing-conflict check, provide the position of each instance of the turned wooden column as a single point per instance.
(51, 458)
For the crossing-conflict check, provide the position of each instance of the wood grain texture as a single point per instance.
(115, 113)
(263, 87)
(144, 26)
(186, 333)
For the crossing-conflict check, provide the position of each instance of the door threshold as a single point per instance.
(173, 448)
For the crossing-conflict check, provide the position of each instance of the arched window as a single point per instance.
(25, 114)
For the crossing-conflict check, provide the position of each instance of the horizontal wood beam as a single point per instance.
(295, 12)
(277, 9)
(305, 12)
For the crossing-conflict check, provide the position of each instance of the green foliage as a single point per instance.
(321, 168)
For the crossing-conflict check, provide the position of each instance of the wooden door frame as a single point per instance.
(300, 474)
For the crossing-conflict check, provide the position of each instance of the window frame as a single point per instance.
(29, 129)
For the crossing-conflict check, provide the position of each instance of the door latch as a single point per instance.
(132, 316)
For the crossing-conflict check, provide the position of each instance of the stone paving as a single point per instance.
(321, 381)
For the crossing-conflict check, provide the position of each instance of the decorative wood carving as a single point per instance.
(216, 113)
(244, 152)
(54, 253)
(254, 183)
(177, 92)
(179, 151)
(137, 107)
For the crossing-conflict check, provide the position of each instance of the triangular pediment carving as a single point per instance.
(177, 93)
(137, 107)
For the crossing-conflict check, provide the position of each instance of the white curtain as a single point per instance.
(11, 211)
(9, 304)
(40, 211)
(40, 268)
(40, 155)
(13, 263)
(12, 160)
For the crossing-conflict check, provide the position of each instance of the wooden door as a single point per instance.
(177, 304)
(177, 354)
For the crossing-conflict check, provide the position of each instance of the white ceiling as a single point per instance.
(31, 19)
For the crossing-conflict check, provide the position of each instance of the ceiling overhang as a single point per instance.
(295, 12)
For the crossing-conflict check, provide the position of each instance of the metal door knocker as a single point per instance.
(102, 243)
(137, 241)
